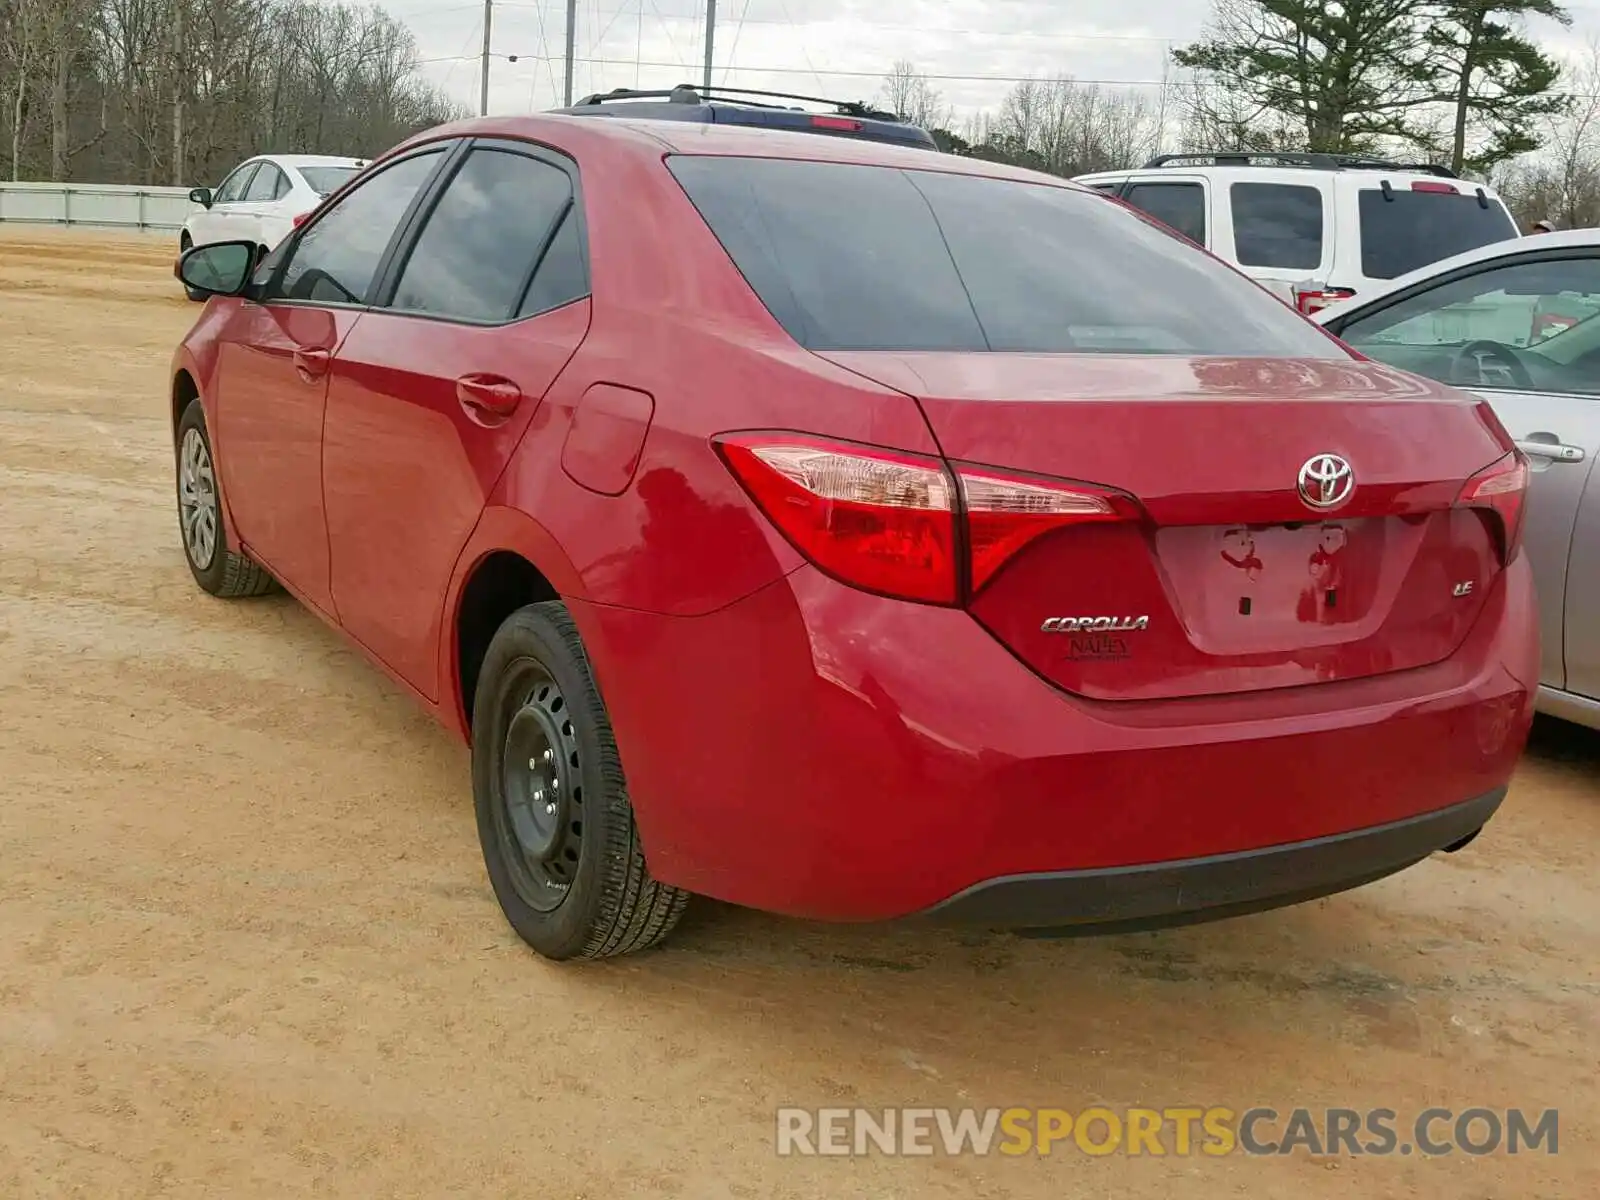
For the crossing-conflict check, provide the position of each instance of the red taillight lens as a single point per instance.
(300, 219)
(1004, 515)
(879, 521)
(1311, 301)
(1502, 488)
(1429, 186)
(844, 123)
(887, 522)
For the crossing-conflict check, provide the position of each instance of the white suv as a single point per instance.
(1313, 229)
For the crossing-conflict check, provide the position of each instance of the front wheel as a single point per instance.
(554, 820)
(185, 244)
(216, 567)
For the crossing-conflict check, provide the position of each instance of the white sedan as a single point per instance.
(263, 198)
(1518, 323)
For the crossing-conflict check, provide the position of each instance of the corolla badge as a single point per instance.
(1326, 481)
(1094, 624)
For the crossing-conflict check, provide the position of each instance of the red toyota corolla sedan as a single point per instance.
(855, 532)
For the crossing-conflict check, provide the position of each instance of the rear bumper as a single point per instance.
(816, 751)
(1121, 899)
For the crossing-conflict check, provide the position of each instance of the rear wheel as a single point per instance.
(557, 830)
(216, 567)
(185, 244)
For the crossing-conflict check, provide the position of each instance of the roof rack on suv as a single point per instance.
(686, 93)
(1295, 158)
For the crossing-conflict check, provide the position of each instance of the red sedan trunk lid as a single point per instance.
(1231, 581)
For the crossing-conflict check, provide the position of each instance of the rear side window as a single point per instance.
(1277, 225)
(265, 185)
(326, 180)
(851, 257)
(476, 255)
(1179, 205)
(1414, 229)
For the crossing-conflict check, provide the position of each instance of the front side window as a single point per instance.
(851, 257)
(234, 185)
(1522, 326)
(1277, 225)
(336, 260)
(1182, 206)
(476, 255)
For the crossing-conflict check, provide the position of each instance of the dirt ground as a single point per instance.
(247, 948)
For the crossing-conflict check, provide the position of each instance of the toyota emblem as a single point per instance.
(1326, 481)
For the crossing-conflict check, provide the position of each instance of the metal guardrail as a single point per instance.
(102, 205)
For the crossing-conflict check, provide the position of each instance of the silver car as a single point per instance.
(1518, 323)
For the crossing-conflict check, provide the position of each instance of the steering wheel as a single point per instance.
(1482, 363)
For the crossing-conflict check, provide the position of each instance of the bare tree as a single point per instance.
(179, 90)
(1563, 182)
(909, 94)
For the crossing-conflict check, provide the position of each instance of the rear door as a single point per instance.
(1050, 337)
(434, 388)
(1279, 233)
(1481, 329)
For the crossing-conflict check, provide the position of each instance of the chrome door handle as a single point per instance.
(1554, 451)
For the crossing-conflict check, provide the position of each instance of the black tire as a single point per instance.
(582, 890)
(224, 571)
(185, 244)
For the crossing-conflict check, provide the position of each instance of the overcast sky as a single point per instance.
(837, 48)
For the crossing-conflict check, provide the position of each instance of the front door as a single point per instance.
(1484, 329)
(433, 390)
(1582, 639)
(275, 354)
(220, 222)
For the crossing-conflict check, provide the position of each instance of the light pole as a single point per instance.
(488, 21)
(711, 33)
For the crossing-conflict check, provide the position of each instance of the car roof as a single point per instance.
(1359, 177)
(1569, 239)
(311, 160)
(650, 138)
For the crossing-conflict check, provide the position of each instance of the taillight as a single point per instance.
(300, 219)
(1423, 185)
(1501, 488)
(842, 123)
(881, 522)
(1004, 515)
(1310, 300)
(888, 522)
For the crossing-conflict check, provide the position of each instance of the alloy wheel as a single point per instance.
(197, 500)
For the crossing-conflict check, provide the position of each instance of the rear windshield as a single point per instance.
(1415, 229)
(327, 180)
(850, 257)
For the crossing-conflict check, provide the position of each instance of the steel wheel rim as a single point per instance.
(539, 793)
(197, 500)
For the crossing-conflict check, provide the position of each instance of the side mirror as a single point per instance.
(220, 269)
(200, 196)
